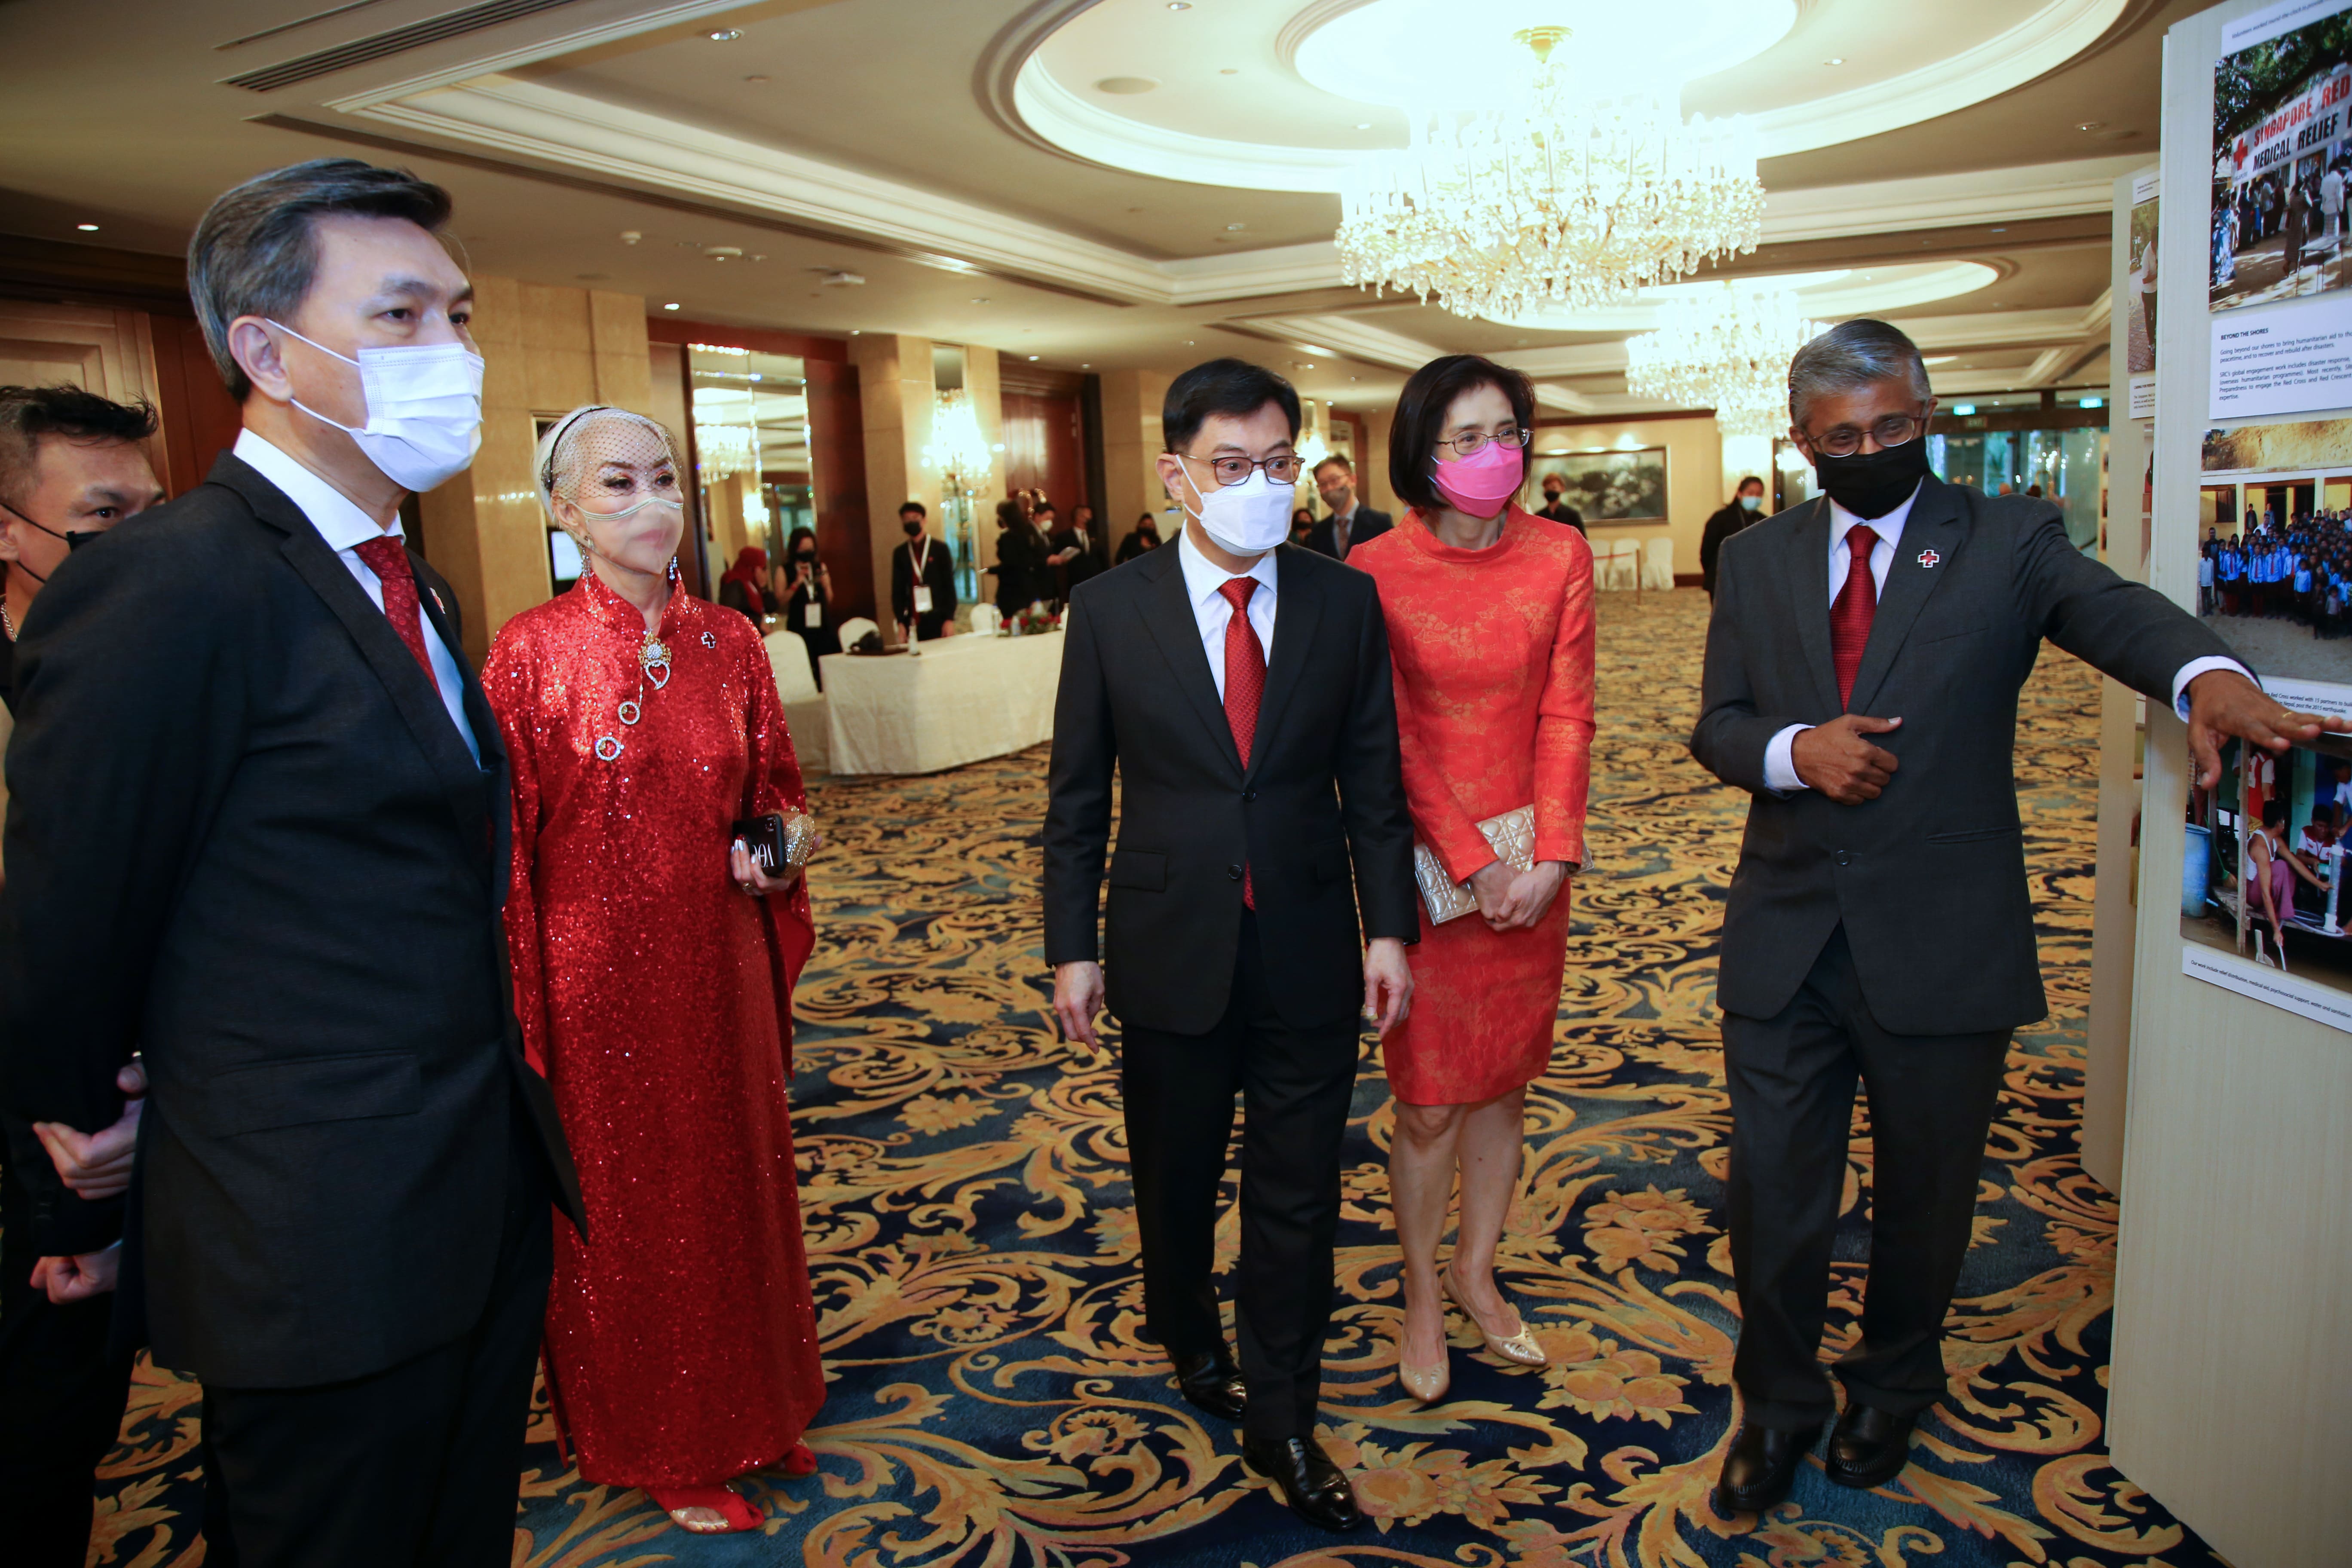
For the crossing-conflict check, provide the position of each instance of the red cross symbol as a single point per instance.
(1929, 558)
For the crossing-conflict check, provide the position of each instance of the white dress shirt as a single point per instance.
(1204, 583)
(1780, 770)
(344, 527)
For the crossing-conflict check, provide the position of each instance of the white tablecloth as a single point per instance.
(960, 700)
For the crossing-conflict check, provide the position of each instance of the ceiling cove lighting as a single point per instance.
(1550, 197)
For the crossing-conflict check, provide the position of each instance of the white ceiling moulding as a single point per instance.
(2037, 45)
(2045, 40)
(529, 119)
(1947, 201)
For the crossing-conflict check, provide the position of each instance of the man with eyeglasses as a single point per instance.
(1863, 671)
(1241, 689)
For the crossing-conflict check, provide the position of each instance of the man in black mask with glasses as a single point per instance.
(72, 465)
(1863, 671)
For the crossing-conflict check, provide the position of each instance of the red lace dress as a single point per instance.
(681, 1339)
(1493, 688)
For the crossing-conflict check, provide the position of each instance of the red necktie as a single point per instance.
(1857, 603)
(388, 559)
(1244, 684)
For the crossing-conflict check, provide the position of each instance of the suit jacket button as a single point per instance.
(1249, 794)
(1234, 872)
(1842, 858)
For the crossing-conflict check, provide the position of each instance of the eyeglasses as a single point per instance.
(1475, 442)
(1232, 470)
(1844, 440)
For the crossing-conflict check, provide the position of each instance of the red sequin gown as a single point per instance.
(1493, 685)
(681, 1339)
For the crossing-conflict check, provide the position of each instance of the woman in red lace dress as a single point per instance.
(1489, 612)
(654, 966)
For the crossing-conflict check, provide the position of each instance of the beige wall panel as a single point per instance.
(1131, 401)
(558, 379)
(497, 313)
(896, 391)
(1372, 464)
(2233, 1273)
(107, 351)
(984, 384)
(555, 317)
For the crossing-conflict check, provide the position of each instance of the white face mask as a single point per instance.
(1247, 518)
(423, 407)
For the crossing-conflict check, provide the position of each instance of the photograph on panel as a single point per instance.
(2263, 874)
(2281, 165)
(2274, 546)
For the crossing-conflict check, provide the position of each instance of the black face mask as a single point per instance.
(912, 527)
(806, 558)
(74, 541)
(1870, 485)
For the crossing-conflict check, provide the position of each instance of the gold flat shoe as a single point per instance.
(1426, 1384)
(1518, 1346)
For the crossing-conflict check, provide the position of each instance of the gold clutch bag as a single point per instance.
(1513, 838)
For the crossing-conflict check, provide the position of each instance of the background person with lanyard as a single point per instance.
(923, 579)
(808, 600)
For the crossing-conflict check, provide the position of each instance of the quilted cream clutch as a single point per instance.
(1513, 836)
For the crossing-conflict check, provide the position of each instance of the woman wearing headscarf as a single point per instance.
(744, 586)
(1489, 613)
(654, 963)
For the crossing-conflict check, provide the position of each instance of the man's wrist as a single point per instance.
(1780, 774)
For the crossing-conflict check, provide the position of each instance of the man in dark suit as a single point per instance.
(1074, 549)
(1348, 522)
(1556, 507)
(922, 579)
(1879, 924)
(72, 465)
(1745, 507)
(259, 832)
(1255, 767)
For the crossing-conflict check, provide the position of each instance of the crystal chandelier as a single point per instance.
(721, 450)
(1556, 197)
(957, 447)
(1724, 347)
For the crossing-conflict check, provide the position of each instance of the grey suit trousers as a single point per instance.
(1931, 1101)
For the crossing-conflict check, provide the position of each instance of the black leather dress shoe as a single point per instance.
(1869, 1448)
(1210, 1381)
(1316, 1488)
(1761, 1468)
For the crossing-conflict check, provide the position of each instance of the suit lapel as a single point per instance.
(1168, 617)
(1297, 608)
(411, 691)
(1932, 537)
(1809, 592)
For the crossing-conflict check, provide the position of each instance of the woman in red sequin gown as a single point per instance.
(654, 967)
(1489, 613)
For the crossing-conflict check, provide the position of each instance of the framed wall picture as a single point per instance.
(1619, 485)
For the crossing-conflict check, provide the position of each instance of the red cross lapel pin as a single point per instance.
(1929, 558)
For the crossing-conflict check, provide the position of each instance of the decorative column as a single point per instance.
(1131, 401)
(895, 392)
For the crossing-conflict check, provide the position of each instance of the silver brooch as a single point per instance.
(709, 640)
(630, 711)
(607, 747)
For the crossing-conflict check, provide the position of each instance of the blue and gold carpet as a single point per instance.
(973, 1247)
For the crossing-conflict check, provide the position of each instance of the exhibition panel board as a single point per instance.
(2233, 1290)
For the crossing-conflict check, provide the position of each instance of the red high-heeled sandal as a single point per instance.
(799, 1461)
(739, 1511)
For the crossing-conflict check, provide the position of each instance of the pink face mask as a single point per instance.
(1483, 482)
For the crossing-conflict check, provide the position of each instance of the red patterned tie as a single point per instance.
(1857, 603)
(1244, 684)
(388, 559)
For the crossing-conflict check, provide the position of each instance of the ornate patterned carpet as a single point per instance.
(973, 1248)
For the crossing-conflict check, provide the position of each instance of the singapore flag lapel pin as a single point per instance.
(1929, 558)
